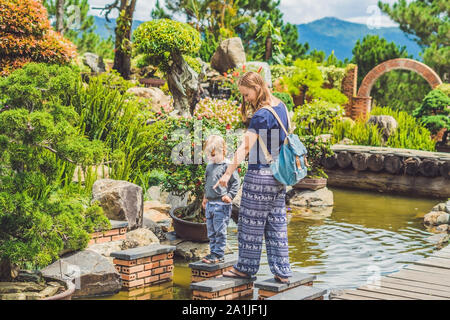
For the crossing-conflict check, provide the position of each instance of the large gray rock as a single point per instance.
(92, 274)
(94, 62)
(155, 193)
(309, 198)
(265, 70)
(229, 54)
(120, 200)
(387, 124)
(155, 95)
(436, 218)
(189, 251)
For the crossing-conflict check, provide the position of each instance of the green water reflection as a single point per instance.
(366, 234)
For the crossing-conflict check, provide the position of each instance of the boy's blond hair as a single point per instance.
(214, 144)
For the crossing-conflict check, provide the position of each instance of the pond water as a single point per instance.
(366, 235)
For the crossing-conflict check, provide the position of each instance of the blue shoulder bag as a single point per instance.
(290, 166)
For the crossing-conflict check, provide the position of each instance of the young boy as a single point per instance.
(217, 202)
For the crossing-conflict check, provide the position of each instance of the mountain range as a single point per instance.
(326, 34)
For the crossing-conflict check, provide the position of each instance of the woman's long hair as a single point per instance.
(253, 80)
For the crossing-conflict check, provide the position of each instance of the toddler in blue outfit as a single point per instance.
(217, 202)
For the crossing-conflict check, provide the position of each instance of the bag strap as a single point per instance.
(261, 142)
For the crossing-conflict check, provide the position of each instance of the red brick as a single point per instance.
(198, 279)
(158, 270)
(245, 293)
(159, 257)
(240, 288)
(134, 283)
(118, 268)
(169, 268)
(144, 260)
(195, 272)
(96, 235)
(225, 292)
(166, 275)
(144, 274)
(133, 269)
(111, 232)
(266, 293)
(119, 237)
(203, 294)
(152, 265)
(209, 274)
(170, 255)
(103, 240)
(232, 296)
(151, 279)
(127, 263)
(123, 230)
(166, 262)
(128, 277)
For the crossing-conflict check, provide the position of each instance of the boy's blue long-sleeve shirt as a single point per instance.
(214, 171)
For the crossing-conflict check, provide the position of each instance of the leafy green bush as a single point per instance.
(316, 118)
(317, 150)
(41, 211)
(435, 111)
(410, 133)
(286, 98)
(360, 132)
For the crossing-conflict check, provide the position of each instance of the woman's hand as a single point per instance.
(223, 181)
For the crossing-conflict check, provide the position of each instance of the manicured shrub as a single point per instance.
(26, 36)
(286, 98)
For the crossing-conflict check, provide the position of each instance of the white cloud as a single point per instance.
(295, 11)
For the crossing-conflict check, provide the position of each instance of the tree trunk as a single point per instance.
(60, 16)
(122, 58)
(330, 162)
(392, 164)
(8, 271)
(429, 168)
(375, 162)
(184, 86)
(412, 166)
(359, 161)
(268, 53)
(344, 160)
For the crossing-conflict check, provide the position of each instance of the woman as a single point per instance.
(263, 209)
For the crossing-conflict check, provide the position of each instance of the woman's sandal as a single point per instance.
(233, 274)
(210, 259)
(282, 280)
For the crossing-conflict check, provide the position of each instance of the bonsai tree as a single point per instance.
(163, 43)
(434, 112)
(318, 149)
(41, 212)
(26, 36)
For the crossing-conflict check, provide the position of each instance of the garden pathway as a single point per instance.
(427, 279)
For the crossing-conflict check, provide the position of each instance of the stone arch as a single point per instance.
(401, 63)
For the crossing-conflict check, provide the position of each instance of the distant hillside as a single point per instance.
(326, 34)
(329, 34)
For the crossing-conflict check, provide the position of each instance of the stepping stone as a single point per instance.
(269, 287)
(300, 293)
(144, 266)
(223, 288)
(201, 271)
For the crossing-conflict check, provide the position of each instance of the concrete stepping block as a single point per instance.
(142, 252)
(200, 265)
(300, 293)
(297, 279)
(221, 283)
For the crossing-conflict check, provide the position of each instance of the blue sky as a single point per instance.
(298, 11)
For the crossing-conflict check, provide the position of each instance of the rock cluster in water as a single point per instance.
(438, 220)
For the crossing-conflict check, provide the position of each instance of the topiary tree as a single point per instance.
(163, 43)
(434, 111)
(26, 35)
(41, 212)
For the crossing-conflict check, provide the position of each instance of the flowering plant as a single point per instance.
(224, 111)
(231, 79)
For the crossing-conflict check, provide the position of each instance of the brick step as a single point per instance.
(117, 232)
(201, 271)
(142, 266)
(269, 287)
(300, 293)
(222, 288)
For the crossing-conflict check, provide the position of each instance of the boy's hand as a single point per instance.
(226, 199)
(204, 203)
